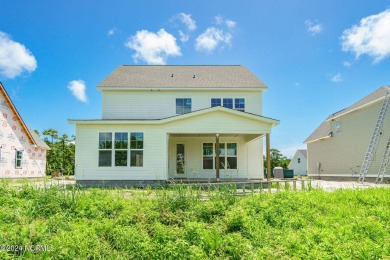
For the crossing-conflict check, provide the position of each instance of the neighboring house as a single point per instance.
(22, 152)
(299, 163)
(162, 122)
(337, 148)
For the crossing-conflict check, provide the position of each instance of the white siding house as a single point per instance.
(22, 152)
(336, 149)
(299, 163)
(162, 122)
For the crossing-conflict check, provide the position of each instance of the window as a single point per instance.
(228, 102)
(227, 156)
(18, 159)
(239, 104)
(338, 126)
(215, 102)
(119, 152)
(299, 160)
(136, 149)
(105, 152)
(121, 145)
(208, 151)
(183, 105)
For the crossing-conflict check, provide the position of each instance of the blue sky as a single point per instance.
(317, 57)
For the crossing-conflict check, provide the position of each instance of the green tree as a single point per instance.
(52, 133)
(277, 160)
(62, 153)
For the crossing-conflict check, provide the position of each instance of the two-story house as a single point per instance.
(22, 152)
(163, 122)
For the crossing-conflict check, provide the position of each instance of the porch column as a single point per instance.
(217, 156)
(268, 147)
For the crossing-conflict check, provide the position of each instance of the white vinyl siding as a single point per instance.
(154, 104)
(343, 154)
(298, 164)
(160, 141)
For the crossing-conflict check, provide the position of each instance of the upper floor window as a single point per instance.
(338, 126)
(228, 102)
(239, 104)
(299, 160)
(215, 102)
(183, 105)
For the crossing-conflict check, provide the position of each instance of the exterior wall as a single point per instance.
(87, 154)
(158, 142)
(299, 168)
(343, 154)
(13, 138)
(249, 158)
(156, 104)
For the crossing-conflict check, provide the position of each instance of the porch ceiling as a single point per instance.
(247, 137)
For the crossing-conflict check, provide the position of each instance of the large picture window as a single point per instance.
(183, 105)
(18, 159)
(105, 149)
(114, 149)
(227, 156)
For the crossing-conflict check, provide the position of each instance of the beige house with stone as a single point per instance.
(162, 123)
(337, 148)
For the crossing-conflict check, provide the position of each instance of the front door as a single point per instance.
(180, 159)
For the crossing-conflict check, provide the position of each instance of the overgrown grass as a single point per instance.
(181, 224)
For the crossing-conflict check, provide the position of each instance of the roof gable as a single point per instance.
(31, 135)
(324, 129)
(192, 77)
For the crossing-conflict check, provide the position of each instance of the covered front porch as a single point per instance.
(215, 156)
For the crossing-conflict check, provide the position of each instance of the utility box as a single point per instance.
(288, 173)
(278, 172)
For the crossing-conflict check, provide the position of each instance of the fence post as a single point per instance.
(277, 185)
(302, 185)
(295, 185)
(252, 187)
(269, 186)
(261, 187)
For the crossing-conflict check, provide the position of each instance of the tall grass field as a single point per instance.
(183, 223)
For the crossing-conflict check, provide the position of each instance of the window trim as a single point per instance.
(183, 108)
(128, 149)
(20, 160)
(105, 149)
(225, 155)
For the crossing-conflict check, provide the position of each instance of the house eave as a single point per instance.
(127, 88)
(355, 109)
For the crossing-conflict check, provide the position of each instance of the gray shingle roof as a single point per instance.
(324, 129)
(193, 76)
(38, 141)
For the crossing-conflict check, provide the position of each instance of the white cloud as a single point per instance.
(111, 32)
(347, 64)
(183, 36)
(313, 27)
(153, 48)
(218, 19)
(14, 58)
(230, 24)
(211, 38)
(336, 78)
(370, 37)
(187, 20)
(77, 87)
